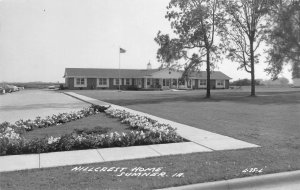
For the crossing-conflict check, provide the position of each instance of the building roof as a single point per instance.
(108, 73)
(213, 75)
(132, 73)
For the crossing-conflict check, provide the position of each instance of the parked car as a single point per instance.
(8, 88)
(15, 88)
(11, 88)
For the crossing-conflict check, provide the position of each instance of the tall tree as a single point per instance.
(195, 24)
(245, 30)
(284, 38)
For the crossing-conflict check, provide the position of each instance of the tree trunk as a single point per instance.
(208, 74)
(252, 68)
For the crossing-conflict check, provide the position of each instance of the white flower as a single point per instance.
(52, 140)
(140, 122)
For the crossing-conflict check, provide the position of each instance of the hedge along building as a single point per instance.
(92, 78)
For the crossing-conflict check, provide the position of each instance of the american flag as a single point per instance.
(122, 50)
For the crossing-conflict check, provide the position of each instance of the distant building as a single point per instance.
(92, 78)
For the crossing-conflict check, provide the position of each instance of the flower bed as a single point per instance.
(21, 126)
(85, 141)
(140, 122)
(146, 131)
(38, 122)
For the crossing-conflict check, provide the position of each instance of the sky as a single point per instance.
(40, 38)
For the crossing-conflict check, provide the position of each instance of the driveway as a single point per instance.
(28, 104)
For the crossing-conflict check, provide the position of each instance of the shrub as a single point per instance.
(99, 108)
(6, 127)
(75, 141)
(66, 142)
(131, 88)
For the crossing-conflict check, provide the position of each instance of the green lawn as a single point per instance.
(98, 120)
(270, 120)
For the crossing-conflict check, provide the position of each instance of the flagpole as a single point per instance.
(119, 68)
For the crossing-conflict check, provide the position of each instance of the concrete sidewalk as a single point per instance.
(66, 158)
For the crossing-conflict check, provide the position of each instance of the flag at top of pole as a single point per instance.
(122, 50)
(119, 80)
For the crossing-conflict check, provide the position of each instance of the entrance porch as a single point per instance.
(167, 83)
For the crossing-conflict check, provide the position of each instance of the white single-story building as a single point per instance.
(93, 78)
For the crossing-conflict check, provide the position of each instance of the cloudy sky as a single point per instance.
(40, 38)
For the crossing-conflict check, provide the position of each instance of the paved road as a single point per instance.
(28, 104)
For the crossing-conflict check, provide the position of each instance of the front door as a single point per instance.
(166, 83)
(139, 83)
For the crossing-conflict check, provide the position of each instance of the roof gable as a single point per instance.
(166, 73)
(213, 75)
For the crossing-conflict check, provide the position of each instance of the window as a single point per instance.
(117, 82)
(167, 82)
(148, 82)
(202, 82)
(174, 82)
(127, 81)
(102, 82)
(181, 82)
(80, 81)
(220, 83)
